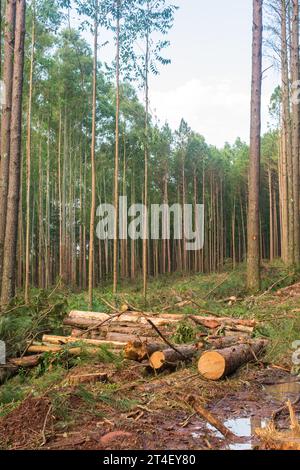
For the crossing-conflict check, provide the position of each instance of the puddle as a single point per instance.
(243, 428)
(284, 391)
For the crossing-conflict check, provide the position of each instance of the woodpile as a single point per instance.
(147, 338)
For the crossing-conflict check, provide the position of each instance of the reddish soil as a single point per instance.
(159, 419)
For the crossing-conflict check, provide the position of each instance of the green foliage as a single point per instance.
(22, 323)
(184, 333)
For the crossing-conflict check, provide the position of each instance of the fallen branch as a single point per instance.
(211, 419)
(165, 339)
(218, 285)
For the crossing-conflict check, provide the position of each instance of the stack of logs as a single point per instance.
(223, 345)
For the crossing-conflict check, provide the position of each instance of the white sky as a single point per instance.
(208, 81)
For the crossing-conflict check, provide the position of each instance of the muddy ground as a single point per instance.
(154, 415)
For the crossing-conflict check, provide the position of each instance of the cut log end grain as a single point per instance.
(139, 351)
(212, 365)
(171, 358)
(215, 365)
(157, 360)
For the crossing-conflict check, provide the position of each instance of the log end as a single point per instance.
(211, 365)
(157, 360)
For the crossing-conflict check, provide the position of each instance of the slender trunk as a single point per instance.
(271, 212)
(287, 131)
(254, 169)
(28, 159)
(9, 38)
(295, 130)
(116, 173)
(40, 221)
(145, 235)
(11, 231)
(93, 163)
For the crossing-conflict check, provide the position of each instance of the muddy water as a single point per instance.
(243, 428)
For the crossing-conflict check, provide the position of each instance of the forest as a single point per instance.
(110, 329)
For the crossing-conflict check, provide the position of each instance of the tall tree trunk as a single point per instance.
(116, 172)
(11, 231)
(93, 162)
(145, 235)
(295, 130)
(253, 264)
(9, 38)
(40, 220)
(271, 214)
(286, 120)
(28, 160)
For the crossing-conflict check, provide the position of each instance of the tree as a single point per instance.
(9, 39)
(93, 163)
(295, 129)
(11, 230)
(253, 263)
(28, 157)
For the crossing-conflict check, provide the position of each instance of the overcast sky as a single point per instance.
(208, 81)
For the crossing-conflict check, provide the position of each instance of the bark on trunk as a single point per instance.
(254, 169)
(11, 231)
(215, 365)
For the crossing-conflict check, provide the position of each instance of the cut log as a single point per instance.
(169, 358)
(215, 365)
(224, 341)
(27, 361)
(80, 322)
(240, 328)
(87, 378)
(52, 348)
(99, 316)
(139, 351)
(125, 338)
(12, 367)
(215, 322)
(134, 317)
(52, 339)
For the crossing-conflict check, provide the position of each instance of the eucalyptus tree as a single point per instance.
(295, 126)
(152, 20)
(254, 256)
(11, 228)
(43, 19)
(9, 40)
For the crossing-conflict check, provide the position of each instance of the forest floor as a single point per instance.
(137, 410)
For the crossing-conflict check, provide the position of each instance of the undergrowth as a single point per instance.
(207, 293)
